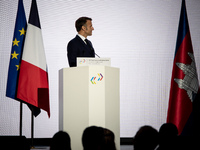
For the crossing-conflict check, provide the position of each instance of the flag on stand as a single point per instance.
(16, 55)
(184, 81)
(16, 52)
(33, 85)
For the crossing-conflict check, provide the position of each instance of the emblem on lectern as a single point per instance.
(95, 79)
(82, 61)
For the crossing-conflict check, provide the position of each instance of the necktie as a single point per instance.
(90, 46)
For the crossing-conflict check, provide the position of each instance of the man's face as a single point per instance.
(88, 28)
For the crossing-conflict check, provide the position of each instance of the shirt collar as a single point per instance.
(82, 37)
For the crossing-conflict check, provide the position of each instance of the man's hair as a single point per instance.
(80, 22)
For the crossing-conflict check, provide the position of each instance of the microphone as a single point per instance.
(91, 47)
(97, 55)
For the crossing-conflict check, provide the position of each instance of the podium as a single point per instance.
(89, 95)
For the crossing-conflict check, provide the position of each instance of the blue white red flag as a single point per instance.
(33, 87)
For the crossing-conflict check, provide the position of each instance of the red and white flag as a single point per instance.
(184, 82)
(33, 87)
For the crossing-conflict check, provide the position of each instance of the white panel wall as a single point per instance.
(138, 35)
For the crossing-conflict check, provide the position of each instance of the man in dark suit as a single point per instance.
(80, 46)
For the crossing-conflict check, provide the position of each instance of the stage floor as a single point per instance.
(122, 147)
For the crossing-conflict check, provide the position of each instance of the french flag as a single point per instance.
(33, 87)
(184, 81)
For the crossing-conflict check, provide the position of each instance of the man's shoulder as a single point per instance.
(75, 39)
(75, 43)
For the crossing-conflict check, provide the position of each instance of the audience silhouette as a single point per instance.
(98, 138)
(168, 134)
(109, 138)
(146, 138)
(61, 141)
(93, 138)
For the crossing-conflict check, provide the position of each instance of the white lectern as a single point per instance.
(89, 95)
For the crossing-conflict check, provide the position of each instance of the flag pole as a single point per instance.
(32, 127)
(20, 123)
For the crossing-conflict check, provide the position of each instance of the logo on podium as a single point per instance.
(82, 61)
(96, 79)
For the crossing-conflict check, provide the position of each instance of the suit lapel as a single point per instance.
(81, 41)
(85, 47)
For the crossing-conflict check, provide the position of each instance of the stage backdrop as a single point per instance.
(138, 35)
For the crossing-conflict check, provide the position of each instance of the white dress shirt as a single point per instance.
(82, 37)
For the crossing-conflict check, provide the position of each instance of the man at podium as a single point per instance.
(80, 46)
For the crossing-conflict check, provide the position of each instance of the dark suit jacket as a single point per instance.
(77, 48)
